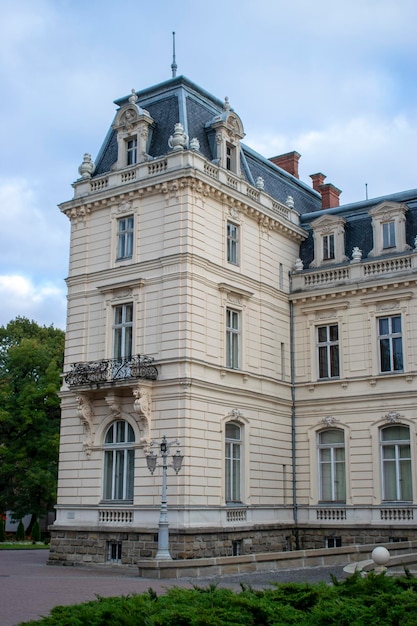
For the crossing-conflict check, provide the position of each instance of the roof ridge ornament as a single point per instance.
(133, 98)
(226, 105)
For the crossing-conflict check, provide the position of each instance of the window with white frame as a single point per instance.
(131, 151)
(328, 247)
(232, 235)
(396, 463)
(123, 331)
(232, 338)
(233, 460)
(388, 234)
(329, 240)
(230, 157)
(119, 461)
(332, 470)
(390, 344)
(328, 351)
(388, 227)
(125, 237)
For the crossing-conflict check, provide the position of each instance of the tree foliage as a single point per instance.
(31, 360)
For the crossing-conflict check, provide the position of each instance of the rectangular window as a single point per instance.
(328, 247)
(232, 243)
(333, 542)
(230, 157)
(114, 551)
(232, 338)
(388, 235)
(396, 463)
(125, 238)
(332, 473)
(233, 462)
(132, 151)
(390, 344)
(328, 351)
(122, 331)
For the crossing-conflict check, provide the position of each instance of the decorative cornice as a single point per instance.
(81, 207)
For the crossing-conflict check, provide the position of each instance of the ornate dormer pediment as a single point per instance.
(133, 126)
(388, 226)
(329, 240)
(226, 132)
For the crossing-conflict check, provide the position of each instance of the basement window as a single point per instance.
(333, 542)
(114, 551)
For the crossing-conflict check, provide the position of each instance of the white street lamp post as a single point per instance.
(151, 461)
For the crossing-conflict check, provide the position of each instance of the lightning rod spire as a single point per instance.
(173, 64)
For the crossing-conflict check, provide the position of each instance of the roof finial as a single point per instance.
(173, 64)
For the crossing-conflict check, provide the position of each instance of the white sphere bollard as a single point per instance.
(380, 557)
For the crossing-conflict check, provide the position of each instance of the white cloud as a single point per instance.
(335, 81)
(44, 303)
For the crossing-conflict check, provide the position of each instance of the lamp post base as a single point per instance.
(163, 542)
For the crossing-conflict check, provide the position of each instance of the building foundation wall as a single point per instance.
(128, 547)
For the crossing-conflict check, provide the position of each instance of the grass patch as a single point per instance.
(23, 545)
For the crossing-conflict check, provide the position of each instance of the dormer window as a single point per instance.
(132, 151)
(133, 126)
(329, 240)
(225, 133)
(388, 225)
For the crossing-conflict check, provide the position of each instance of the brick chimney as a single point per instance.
(288, 162)
(317, 179)
(329, 196)
(329, 193)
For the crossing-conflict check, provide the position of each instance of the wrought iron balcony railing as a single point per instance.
(111, 370)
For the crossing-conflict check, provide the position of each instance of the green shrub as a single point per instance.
(376, 600)
(36, 532)
(20, 532)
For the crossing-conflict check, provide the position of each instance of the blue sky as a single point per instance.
(335, 81)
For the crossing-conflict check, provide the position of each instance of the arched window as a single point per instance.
(396, 463)
(332, 470)
(119, 461)
(233, 458)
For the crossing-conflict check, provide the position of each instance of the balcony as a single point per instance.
(358, 273)
(107, 371)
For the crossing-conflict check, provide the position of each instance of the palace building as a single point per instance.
(215, 298)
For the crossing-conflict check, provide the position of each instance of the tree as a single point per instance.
(31, 360)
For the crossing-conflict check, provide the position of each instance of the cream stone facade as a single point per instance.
(187, 318)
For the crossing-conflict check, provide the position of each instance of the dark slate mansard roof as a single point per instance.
(358, 227)
(180, 100)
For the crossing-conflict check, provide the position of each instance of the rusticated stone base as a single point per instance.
(126, 547)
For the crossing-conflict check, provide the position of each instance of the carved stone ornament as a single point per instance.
(142, 409)
(393, 417)
(87, 167)
(194, 144)
(179, 139)
(236, 413)
(298, 265)
(86, 415)
(114, 405)
(260, 183)
(133, 98)
(124, 207)
(329, 421)
(356, 254)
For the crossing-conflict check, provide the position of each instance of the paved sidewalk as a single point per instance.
(29, 588)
